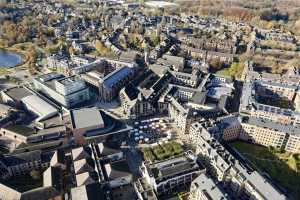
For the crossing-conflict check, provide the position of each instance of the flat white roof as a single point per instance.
(87, 117)
(39, 106)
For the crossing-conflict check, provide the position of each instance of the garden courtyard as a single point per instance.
(162, 152)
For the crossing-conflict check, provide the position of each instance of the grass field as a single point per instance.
(235, 70)
(282, 167)
(4, 71)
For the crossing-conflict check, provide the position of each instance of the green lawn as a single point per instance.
(276, 164)
(254, 150)
(3, 71)
(235, 70)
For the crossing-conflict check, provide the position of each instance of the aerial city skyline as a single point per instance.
(149, 100)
